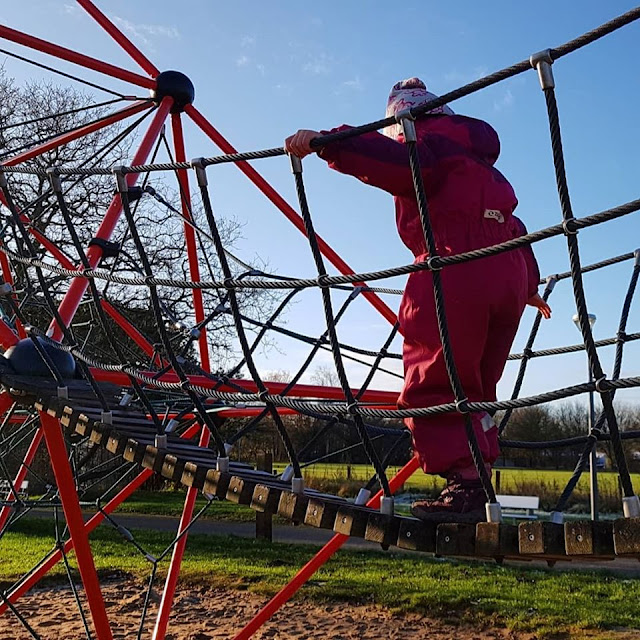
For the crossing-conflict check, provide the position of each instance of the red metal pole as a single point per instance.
(78, 286)
(73, 517)
(319, 559)
(33, 578)
(128, 328)
(119, 37)
(190, 236)
(168, 594)
(5, 512)
(77, 58)
(291, 215)
(65, 138)
(299, 390)
(7, 276)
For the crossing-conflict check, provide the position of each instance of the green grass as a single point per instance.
(528, 599)
(170, 503)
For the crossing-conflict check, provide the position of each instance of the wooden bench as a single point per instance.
(5, 488)
(523, 507)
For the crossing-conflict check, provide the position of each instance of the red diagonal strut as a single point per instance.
(77, 58)
(284, 206)
(119, 37)
(78, 286)
(70, 136)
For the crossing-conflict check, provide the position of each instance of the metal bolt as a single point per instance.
(408, 534)
(579, 537)
(235, 489)
(344, 520)
(447, 539)
(315, 512)
(531, 537)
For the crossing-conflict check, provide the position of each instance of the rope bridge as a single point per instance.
(142, 395)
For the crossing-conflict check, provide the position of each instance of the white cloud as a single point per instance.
(319, 64)
(354, 83)
(247, 41)
(145, 32)
(505, 101)
(242, 61)
(71, 9)
(460, 78)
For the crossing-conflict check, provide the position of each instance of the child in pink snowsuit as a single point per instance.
(470, 206)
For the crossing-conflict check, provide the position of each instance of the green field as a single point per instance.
(524, 598)
(546, 484)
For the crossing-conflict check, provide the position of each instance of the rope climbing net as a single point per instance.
(136, 381)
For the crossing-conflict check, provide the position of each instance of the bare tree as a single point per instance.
(41, 111)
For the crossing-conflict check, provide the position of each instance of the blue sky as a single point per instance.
(262, 70)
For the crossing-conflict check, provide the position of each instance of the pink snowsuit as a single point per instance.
(470, 207)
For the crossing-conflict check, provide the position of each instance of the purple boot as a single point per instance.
(460, 501)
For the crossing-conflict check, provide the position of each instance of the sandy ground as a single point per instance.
(208, 613)
(204, 614)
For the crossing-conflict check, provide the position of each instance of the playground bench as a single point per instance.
(519, 506)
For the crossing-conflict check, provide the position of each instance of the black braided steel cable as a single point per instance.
(21, 619)
(402, 436)
(59, 544)
(253, 423)
(596, 429)
(12, 152)
(574, 348)
(102, 317)
(578, 289)
(68, 75)
(45, 292)
(242, 337)
(157, 311)
(331, 326)
(527, 354)
(461, 401)
(565, 442)
(339, 408)
(290, 283)
(69, 112)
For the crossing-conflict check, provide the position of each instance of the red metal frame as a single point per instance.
(77, 58)
(55, 557)
(5, 512)
(226, 147)
(50, 426)
(65, 138)
(73, 516)
(287, 592)
(78, 286)
(190, 236)
(162, 621)
(249, 386)
(119, 37)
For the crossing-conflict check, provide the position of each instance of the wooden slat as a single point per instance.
(265, 499)
(626, 536)
(541, 538)
(415, 535)
(216, 483)
(456, 539)
(351, 521)
(588, 538)
(321, 514)
(382, 528)
(293, 506)
(240, 490)
(496, 540)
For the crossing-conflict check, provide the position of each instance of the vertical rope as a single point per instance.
(452, 371)
(331, 328)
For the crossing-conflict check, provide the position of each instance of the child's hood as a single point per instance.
(476, 136)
